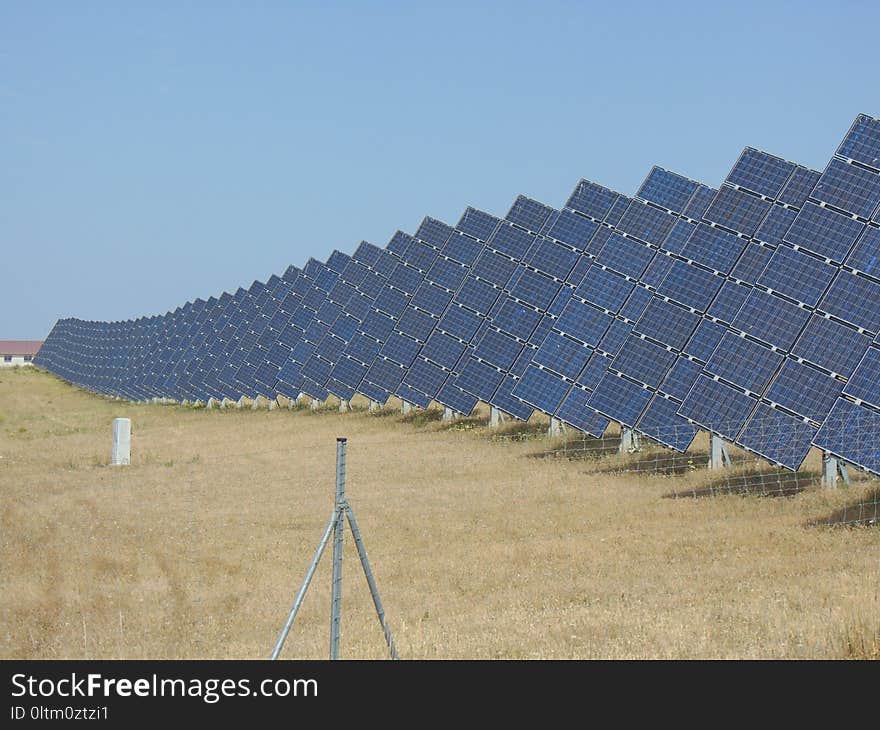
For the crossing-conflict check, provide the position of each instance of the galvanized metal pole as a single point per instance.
(374, 591)
(718, 456)
(338, 534)
(310, 573)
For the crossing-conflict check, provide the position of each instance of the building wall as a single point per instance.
(11, 361)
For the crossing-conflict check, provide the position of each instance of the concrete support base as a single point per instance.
(211, 404)
(374, 406)
(344, 406)
(496, 417)
(273, 404)
(406, 407)
(316, 404)
(226, 403)
(448, 414)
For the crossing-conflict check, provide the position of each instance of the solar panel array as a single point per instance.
(751, 311)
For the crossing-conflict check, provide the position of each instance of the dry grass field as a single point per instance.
(479, 549)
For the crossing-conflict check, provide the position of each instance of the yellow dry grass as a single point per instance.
(196, 550)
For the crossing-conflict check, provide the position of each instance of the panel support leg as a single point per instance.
(833, 471)
(406, 407)
(629, 441)
(374, 406)
(719, 458)
(496, 417)
(316, 404)
(344, 406)
(448, 414)
(556, 428)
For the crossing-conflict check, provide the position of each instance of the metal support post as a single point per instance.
(344, 405)
(406, 407)
(833, 470)
(629, 441)
(556, 428)
(719, 457)
(374, 405)
(448, 414)
(496, 417)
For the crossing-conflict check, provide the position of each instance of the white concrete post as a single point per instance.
(121, 454)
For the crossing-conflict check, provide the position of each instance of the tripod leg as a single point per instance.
(305, 586)
(377, 602)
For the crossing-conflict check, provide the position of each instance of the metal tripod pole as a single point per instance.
(336, 526)
(338, 534)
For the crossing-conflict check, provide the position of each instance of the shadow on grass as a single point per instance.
(466, 423)
(579, 448)
(518, 431)
(772, 482)
(422, 416)
(864, 513)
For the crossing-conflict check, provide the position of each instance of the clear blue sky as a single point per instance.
(151, 155)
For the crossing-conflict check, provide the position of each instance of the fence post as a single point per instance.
(339, 532)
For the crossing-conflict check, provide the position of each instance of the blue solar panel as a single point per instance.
(643, 361)
(681, 377)
(478, 225)
(852, 432)
(799, 187)
(718, 407)
(542, 389)
(743, 362)
(824, 231)
(573, 229)
(738, 210)
(511, 241)
(498, 349)
(592, 200)
(529, 213)
(728, 301)
(667, 323)
(713, 248)
(690, 285)
(771, 319)
(803, 389)
(605, 289)
(865, 255)
(705, 339)
(622, 398)
(625, 255)
(777, 436)
(668, 190)
(854, 299)
(535, 289)
(661, 422)
(831, 345)
(849, 188)
(760, 173)
(865, 382)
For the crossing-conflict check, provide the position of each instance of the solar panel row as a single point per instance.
(752, 311)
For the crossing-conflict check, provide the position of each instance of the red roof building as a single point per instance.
(18, 352)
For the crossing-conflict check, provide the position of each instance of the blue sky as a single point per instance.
(151, 155)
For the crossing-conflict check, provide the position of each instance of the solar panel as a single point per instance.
(699, 290)
(812, 315)
(606, 298)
